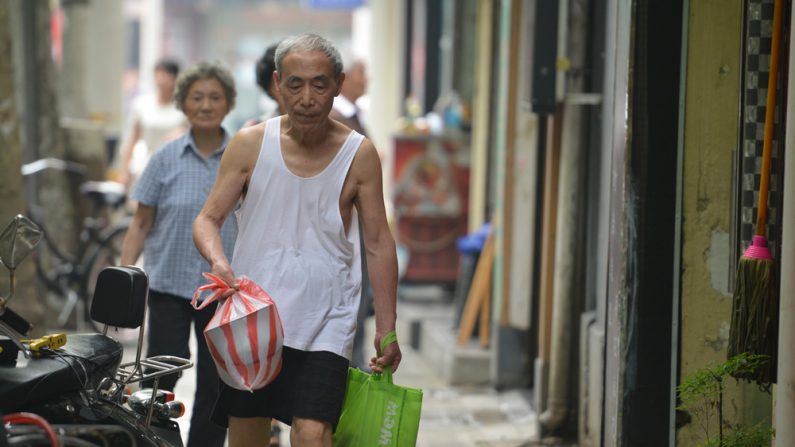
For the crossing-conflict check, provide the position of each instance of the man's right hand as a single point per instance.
(224, 271)
(237, 162)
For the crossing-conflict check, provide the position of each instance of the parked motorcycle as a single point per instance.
(72, 389)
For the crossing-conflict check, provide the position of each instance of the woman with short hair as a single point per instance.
(170, 194)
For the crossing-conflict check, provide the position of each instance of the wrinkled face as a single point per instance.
(307, 87)
(205, 105)
(165, 82)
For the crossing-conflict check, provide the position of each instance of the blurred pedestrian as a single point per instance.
(304, 178)
(154, 120)
(264, 72)
(347, 112)
(170, 193)
(345, 109)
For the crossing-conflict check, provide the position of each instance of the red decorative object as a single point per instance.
(431, 190)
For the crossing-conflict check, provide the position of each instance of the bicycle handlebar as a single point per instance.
(43, 164)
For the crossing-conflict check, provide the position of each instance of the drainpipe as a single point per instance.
(547, 269)
(557, 408)
(785, 390)
(566, 280)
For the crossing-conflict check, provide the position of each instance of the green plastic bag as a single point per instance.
(376, 412)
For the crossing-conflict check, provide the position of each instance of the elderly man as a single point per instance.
(304, 180)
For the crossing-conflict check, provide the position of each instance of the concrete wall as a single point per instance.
(91, 71)
(711, 135)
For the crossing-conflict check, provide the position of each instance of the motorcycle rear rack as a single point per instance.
(151, 368)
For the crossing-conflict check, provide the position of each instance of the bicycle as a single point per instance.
(71, 277)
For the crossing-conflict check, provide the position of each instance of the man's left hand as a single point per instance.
(390, 357)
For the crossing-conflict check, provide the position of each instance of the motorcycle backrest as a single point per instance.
(120, 297)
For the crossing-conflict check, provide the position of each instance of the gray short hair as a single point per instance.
(309, 42)
(205, 70)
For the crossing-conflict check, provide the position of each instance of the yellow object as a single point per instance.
(53, 341)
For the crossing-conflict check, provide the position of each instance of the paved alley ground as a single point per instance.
(451, 416)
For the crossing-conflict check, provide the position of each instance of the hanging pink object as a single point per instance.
(758, 249)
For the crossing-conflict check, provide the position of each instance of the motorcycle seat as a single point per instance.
(84, 362)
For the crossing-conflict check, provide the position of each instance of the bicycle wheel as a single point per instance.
(58, 279)
(107, 253)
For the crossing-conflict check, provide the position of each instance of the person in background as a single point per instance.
(299, 240)
(169, 195)
(154, 120)
(345, 109)
(347, 112)
(264, 72)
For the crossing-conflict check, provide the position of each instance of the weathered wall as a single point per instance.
(11, 193)
(28, 53)
(711, 135)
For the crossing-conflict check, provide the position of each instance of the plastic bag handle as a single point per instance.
(216, 284)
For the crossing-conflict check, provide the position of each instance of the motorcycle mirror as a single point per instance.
(17, 240)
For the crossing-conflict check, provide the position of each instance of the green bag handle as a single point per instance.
(389, 338)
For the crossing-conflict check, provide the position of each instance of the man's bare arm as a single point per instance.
(380, 246)
(237, 164)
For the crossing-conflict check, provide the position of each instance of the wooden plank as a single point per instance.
(470, 315)
(485, 308)
(480, 290)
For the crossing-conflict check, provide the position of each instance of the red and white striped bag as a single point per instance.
(245, 335)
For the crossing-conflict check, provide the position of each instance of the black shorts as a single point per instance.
(310, 385)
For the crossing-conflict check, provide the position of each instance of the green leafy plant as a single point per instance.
(701, 394)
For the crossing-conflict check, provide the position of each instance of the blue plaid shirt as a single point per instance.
(177, 181)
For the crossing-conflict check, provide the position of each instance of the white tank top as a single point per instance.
(291, 241)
